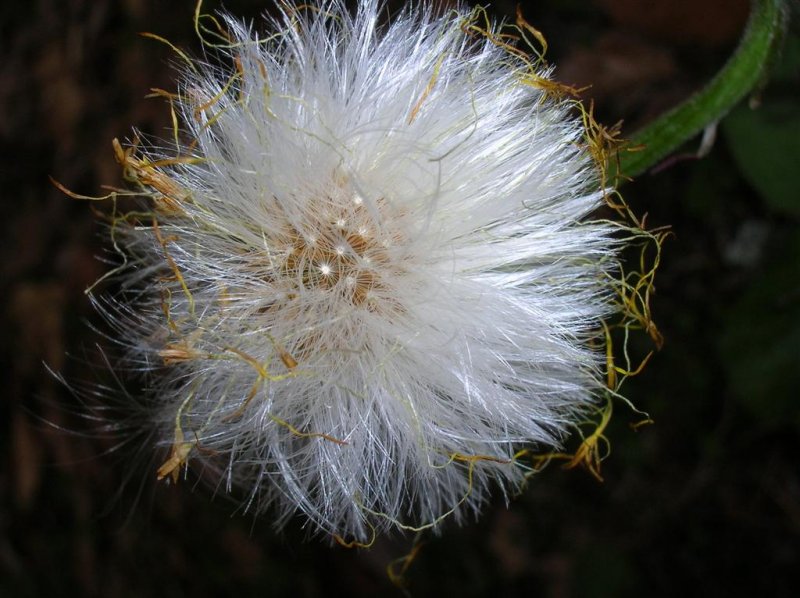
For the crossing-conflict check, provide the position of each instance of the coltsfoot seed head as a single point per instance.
(367, 274)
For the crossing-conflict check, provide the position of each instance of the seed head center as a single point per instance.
(344, 247)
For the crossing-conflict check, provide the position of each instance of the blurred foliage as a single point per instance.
(760, 342)
(706, 501)
(760, 339)
(764, 139)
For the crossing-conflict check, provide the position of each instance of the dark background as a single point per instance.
(706, 501)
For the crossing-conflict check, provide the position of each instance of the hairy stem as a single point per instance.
(744, 70)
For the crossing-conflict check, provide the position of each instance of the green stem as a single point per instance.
(743, 71)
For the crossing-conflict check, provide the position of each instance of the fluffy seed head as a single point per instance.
(367, 275)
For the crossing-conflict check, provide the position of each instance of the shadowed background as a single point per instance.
(705, 500)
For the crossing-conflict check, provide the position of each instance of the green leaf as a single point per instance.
(766, 146)
(765, 142)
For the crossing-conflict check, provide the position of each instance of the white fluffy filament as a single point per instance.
(371, 276)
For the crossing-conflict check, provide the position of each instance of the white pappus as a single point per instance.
(368, 274)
